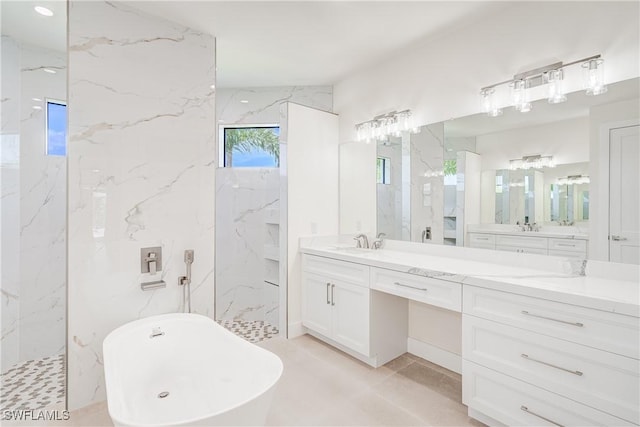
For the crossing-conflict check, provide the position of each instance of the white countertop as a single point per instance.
(617, 295)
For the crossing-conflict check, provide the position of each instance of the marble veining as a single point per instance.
(427, 187)
(264, 102)
(248, 195)
(141, 173)
(33, 208)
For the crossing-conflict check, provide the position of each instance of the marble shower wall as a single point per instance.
(264, 102)
(33, 207)
(245, 198)
(427, 186)
(10, 201)
(141, 173)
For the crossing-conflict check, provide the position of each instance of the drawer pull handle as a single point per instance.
(578, 324)
(482, 238)
(525, 409)
(567, 244)
(328, 285)
(332, 300)
(526, 356)
(409, 286)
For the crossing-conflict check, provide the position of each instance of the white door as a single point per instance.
(624, 190)
(351, 316)
(316, 303)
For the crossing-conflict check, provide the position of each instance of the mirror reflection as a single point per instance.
(513, 173)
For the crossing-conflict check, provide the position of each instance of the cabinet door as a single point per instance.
(316, 303)
(351, 316)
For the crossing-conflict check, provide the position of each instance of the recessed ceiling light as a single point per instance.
(49, 70)
(37, 99)
(37, 107)
(244, 101)
(43, 11)
(212, 86)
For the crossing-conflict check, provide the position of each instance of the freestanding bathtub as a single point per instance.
(185, 370)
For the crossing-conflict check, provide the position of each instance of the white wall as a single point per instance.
(440, 78)
(141, 173)
(309, 182)
(567, 141)
(600, 117)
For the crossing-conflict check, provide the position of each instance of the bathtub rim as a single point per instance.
(107, 343)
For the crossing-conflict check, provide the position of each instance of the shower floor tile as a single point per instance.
(34, 384)
(251, 330)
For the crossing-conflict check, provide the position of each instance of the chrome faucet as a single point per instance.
(362, 241)
(377, 244)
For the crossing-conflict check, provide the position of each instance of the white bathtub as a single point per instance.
(212, 376)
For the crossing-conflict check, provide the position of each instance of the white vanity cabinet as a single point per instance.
(530, 361)
(339, 308)
(529, 243)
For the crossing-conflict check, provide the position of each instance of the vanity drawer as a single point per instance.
(597, 378)
(340, 270)
(522, 241)
(607, 331)
(522, 250)
(479, 240)
(568, 254)
(516, 403)
(568, 245)
(428, 290)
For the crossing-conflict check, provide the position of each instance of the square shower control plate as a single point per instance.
(146, 257)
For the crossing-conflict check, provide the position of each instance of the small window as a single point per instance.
(56, 122)
(257, 146)
(383, 170)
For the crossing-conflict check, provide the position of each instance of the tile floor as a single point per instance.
(322, 386)
(252, 331)
(33, 384)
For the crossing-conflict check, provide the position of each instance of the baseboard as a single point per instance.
(296, 330)
(483, 418)
(433, 354)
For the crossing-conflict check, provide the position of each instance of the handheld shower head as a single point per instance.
(188, 256)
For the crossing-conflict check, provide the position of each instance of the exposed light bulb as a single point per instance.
(49, 70)
(593, 73)
(489, 102)
(555, 80)
(521, 96)
(244, 101)
(43, 11)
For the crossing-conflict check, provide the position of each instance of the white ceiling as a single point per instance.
(21, 22)
(278, 43)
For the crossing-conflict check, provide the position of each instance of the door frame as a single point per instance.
(599, 232)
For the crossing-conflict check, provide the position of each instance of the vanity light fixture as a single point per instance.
(43, 11)
(532, 162)
(573, 179)
(385, 125)
(552, 75)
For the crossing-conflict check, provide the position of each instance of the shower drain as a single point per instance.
(163, 394)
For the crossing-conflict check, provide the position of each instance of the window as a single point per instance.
(254, 146)
(383, 170)
(56, 117)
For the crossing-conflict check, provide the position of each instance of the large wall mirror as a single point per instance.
(475, 171)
